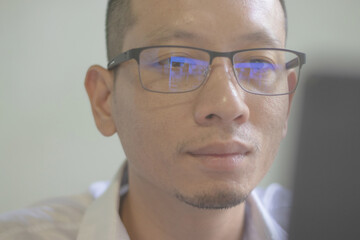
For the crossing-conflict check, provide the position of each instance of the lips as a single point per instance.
(221, 157)
(221, 149)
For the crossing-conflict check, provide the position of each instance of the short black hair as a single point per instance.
(119, 19)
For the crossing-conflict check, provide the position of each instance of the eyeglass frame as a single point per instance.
(134, 53)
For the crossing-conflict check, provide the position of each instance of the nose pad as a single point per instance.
(207, 73)
(229, 70)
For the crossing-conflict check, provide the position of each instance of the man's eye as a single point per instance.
(177, 64)
(261, 64)
(173, 61)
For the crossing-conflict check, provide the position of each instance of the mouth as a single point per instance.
(221, 156)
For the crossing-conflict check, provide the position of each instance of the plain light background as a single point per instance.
(49, 145)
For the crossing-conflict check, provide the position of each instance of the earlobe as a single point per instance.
(285, 128)
(287, 115)
(99, 85)
(292, 81)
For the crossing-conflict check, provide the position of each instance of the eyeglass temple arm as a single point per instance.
(296, 62)
(120, 59)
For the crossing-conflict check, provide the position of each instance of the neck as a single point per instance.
(149, 213)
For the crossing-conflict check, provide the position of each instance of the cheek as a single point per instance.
(272, 117)
(139, 134)
(147, 122)
(269, 124)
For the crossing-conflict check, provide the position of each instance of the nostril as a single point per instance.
(210, 116)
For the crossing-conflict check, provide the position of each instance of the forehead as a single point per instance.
(219, 25)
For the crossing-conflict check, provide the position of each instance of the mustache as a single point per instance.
(244, 135)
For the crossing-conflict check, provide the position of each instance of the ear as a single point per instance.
(292, 81)
(99, 85)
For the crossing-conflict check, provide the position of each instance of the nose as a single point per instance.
(221, 100)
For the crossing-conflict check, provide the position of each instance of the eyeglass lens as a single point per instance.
(170, 69)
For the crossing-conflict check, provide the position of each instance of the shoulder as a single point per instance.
(52, 219)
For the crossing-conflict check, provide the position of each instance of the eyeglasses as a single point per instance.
(177, 69)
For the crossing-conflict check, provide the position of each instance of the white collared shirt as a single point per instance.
(94, 215)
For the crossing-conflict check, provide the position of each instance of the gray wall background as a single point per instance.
(49, 145)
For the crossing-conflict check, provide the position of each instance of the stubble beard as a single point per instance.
(214, 201)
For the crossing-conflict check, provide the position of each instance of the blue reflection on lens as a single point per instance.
(181, 68)
(256, 73)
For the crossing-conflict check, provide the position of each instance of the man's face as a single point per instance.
(212, 146)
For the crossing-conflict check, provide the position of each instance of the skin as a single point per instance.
(167, 137)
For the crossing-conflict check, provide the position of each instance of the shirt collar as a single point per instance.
(101, 219)
(259, 223)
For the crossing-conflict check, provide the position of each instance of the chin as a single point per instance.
(215, 199)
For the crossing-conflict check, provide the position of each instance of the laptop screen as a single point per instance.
(326, 200)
